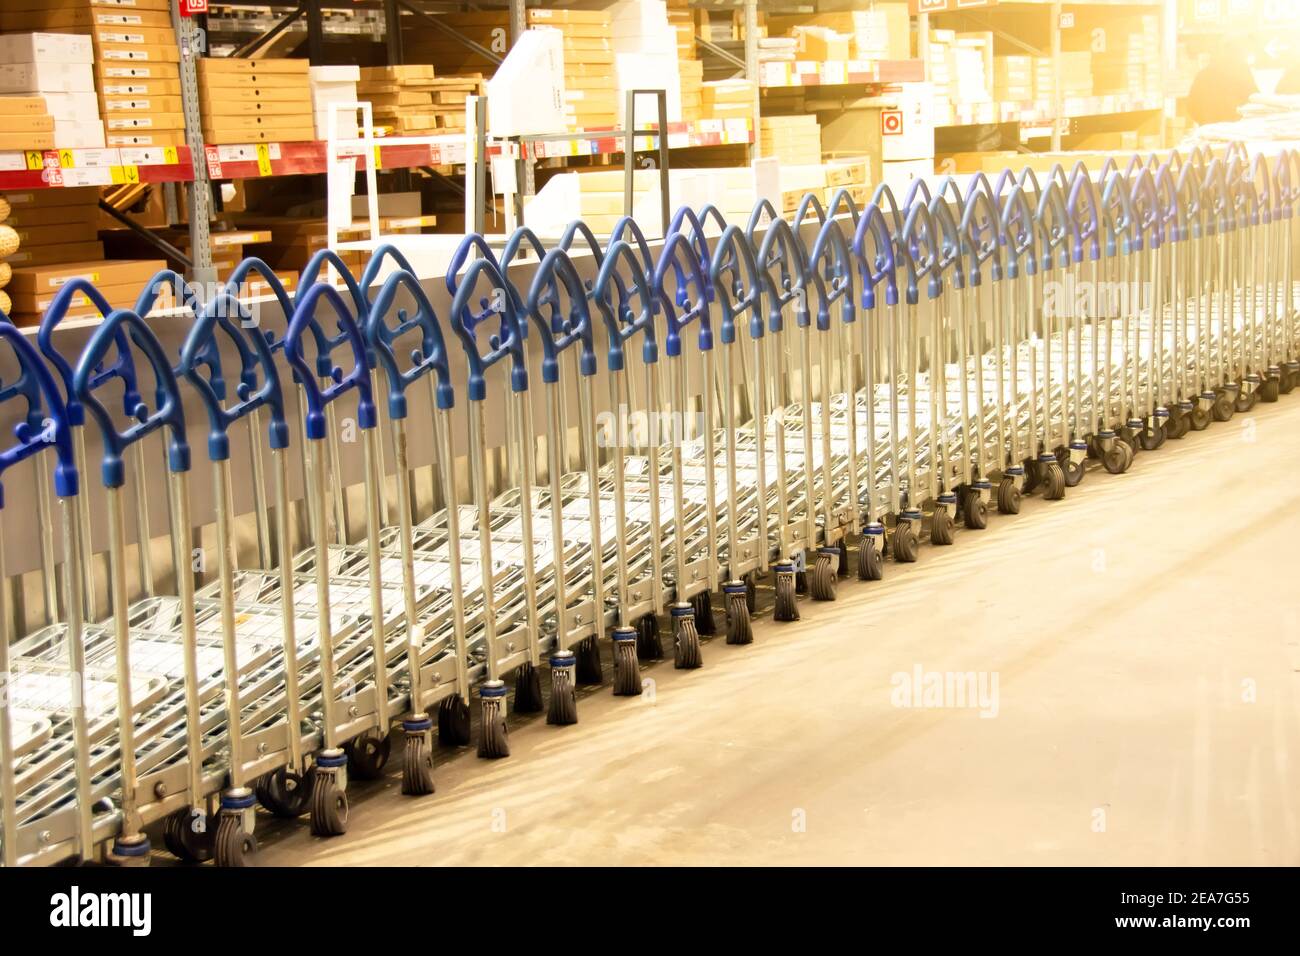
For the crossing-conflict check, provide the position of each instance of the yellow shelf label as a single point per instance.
(263, 160)
(35, 159)
(67, 159)
(125, 175)
(170, 157)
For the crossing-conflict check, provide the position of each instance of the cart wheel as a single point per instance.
(739, 629)
(1033, 477)
(185, 836)
(232, 846)
(976, 513)
(870, 566)
(751, 592)
(564, 692)
(1151, 438)
(417, 760)
(528, 690)
(822, 580)
(905, 544)
(1246, 402)
(1008, 496)
(1198, 418)
(1270, 390)
(135, 852)
(1054, 482)
(941, 527)
(801, 582)
(1224, 407)
(1094, 447)
(286, 794)
(453, 722)
(842, 564)
(787, 608)
(1176, 426)
(686, 655)
(589, 670)
(1286, 384)
(704, 622)
(649, 646)
(368, 755)
(329, 807)
(627, 670)
(1117, 458)
(493, 742)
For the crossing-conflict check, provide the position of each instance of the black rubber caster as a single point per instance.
(563, 709)
(1008, 496)
(528, 690)
(905, 543)
(822, 579)
(787, 606)
(232, 846)
(975, 512)
(1053, 481)
(493, 740)
(941, 527)
(1152, 436)
(589, 671)
(627, 669)
(739, 628)
(1225, 406)
(368, 755)
(453, 722)
(187, 835)
(649, 645)
(329, 804)
(871, 567)
(1198, 419)
(286, 794)
(1247, 402)
(704, 622)
(686, 655)
(1270, 390)
(417, 759)
(1118, 458)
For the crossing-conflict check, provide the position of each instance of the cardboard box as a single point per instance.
(232, 66)
(143, 104)
(11, 106)
(78, 134)
(102, 272)
(231, 131)
(133, 35)
(26, 140)
(45, 48)
(46, 77)
(47, 255)
(154, 138)
(26, 124)
(139, 87)
(71, 107)
(136, 53)
(125, 71)
(32, 215)
(48, 198)
(133, 121)
(823, 44)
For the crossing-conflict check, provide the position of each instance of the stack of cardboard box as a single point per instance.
(682, 19)
(120, 281)
(728, 99)
(411, 101)
(645, 52)
(1013, 79)
(54, 225)
(796, 140)
(882, 32)
(255, 101)
(691, 73)
(227, 245)
(24, 123)
(136, 65)
(330, 85)
(1076, 76)
(55, 107)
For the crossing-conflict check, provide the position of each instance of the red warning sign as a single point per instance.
(891, 122)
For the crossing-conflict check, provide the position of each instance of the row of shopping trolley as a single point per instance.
(624, 438)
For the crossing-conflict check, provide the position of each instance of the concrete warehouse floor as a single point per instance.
(1144, 637)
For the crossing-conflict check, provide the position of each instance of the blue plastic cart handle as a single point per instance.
(430, 356)
(473, 242)
(225, 313)
(780, 249)
(1189, 193)
(378, 259)
(1028, 178)
(736, 284)
(122, 368)
(917, 188)
(168, 413)
(1017, 227)
(978, 183)
(1054, 226)
(809, 203)
(508, 342)
(981, 237)
(557, 271)
(47, 417)
(1172, 214)
(303, 320)
(947, 253)
(627, 230)
(761, 208)
(679, 255)
(831, 265)
(1081, 203)
(920, 252)
(686, 216)
(1116, 210)
(621, 322)
(874, 251)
